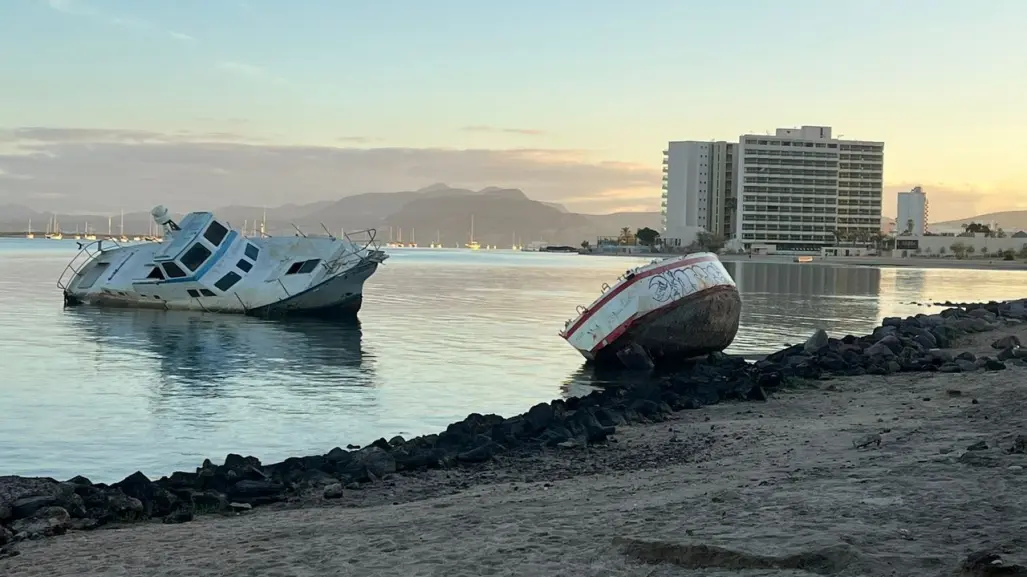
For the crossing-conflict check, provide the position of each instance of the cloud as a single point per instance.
(355, 139)
(105, 169)
(183, 37)
(249, 71)
(81, 8)
(493, 129)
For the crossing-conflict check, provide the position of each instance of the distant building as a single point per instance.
(698, 189)
(912, 211)
(798, 190)
(801, 189)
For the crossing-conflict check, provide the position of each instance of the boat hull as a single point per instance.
(338, 297)
(666, 312)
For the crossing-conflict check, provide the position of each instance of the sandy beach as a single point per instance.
(779, 488)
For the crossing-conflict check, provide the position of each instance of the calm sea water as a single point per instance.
(443, 333)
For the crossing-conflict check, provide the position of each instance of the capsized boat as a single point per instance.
(667, 311)
(203, 264)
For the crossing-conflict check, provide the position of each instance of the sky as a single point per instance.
(108, 104)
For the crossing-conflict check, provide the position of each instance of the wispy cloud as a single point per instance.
(81, 8)
(183, 37)
(249, 71)
(355, 139)
(520, 131)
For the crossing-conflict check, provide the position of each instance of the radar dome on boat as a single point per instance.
(160, 214)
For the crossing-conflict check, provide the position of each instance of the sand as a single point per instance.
(775, 485)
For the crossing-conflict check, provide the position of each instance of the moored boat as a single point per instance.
(667, 311)
(203, 264)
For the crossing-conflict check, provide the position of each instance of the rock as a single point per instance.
(257, 492)
(22, 496)
(978, 446)
(994, 365)
(45, 522)
(950, 368)
(27, 506)
(988, 563)
(1006, 354)
(816, 341)
(880, 349)
(966, 366)
(1019, 445)
(1006, 342)
(240, 507)
(333, 491)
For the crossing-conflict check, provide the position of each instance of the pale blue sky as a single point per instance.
(942, 82)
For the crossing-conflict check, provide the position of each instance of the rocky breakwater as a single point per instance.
(40, 507)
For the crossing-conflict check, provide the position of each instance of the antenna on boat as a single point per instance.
(298, 231)
(330, 235)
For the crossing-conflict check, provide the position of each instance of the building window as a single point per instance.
(193, 293)
(244, 264)
(252, 252)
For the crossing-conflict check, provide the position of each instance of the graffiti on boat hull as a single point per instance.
(680, 282)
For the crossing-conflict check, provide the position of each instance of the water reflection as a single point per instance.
(783, 302)
(196, 353)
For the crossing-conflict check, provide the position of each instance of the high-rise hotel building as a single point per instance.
(798, 190)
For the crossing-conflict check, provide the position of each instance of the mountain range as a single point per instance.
(501, 216)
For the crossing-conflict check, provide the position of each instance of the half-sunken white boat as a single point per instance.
(667, 311)
(203, 264)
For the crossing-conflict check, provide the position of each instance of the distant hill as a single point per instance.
(1009, 220)
(437, 211)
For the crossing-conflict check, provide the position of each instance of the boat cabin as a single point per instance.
(193, 251)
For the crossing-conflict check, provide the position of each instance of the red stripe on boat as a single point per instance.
(620, 288)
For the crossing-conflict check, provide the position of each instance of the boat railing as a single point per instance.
(365, 247)
(86, 253)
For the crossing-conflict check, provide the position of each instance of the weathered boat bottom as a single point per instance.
(692, 326)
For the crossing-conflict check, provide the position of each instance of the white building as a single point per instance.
(911, 219)
(801, 189)
(698, 189)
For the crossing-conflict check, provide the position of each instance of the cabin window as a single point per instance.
(303, 266)
(252, 252)
(195, 256)
(309, 266)
(227, 281)
(244, 264)
(207, 293)
(172, 270)
(193, 293)
(215, 233)
(156, 273)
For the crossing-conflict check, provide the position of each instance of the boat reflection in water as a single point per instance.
(203, 352)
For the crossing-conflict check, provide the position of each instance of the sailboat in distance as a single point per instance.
(473, 245)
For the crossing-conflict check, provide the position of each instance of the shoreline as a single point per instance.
(872, 261)
(672, 425)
